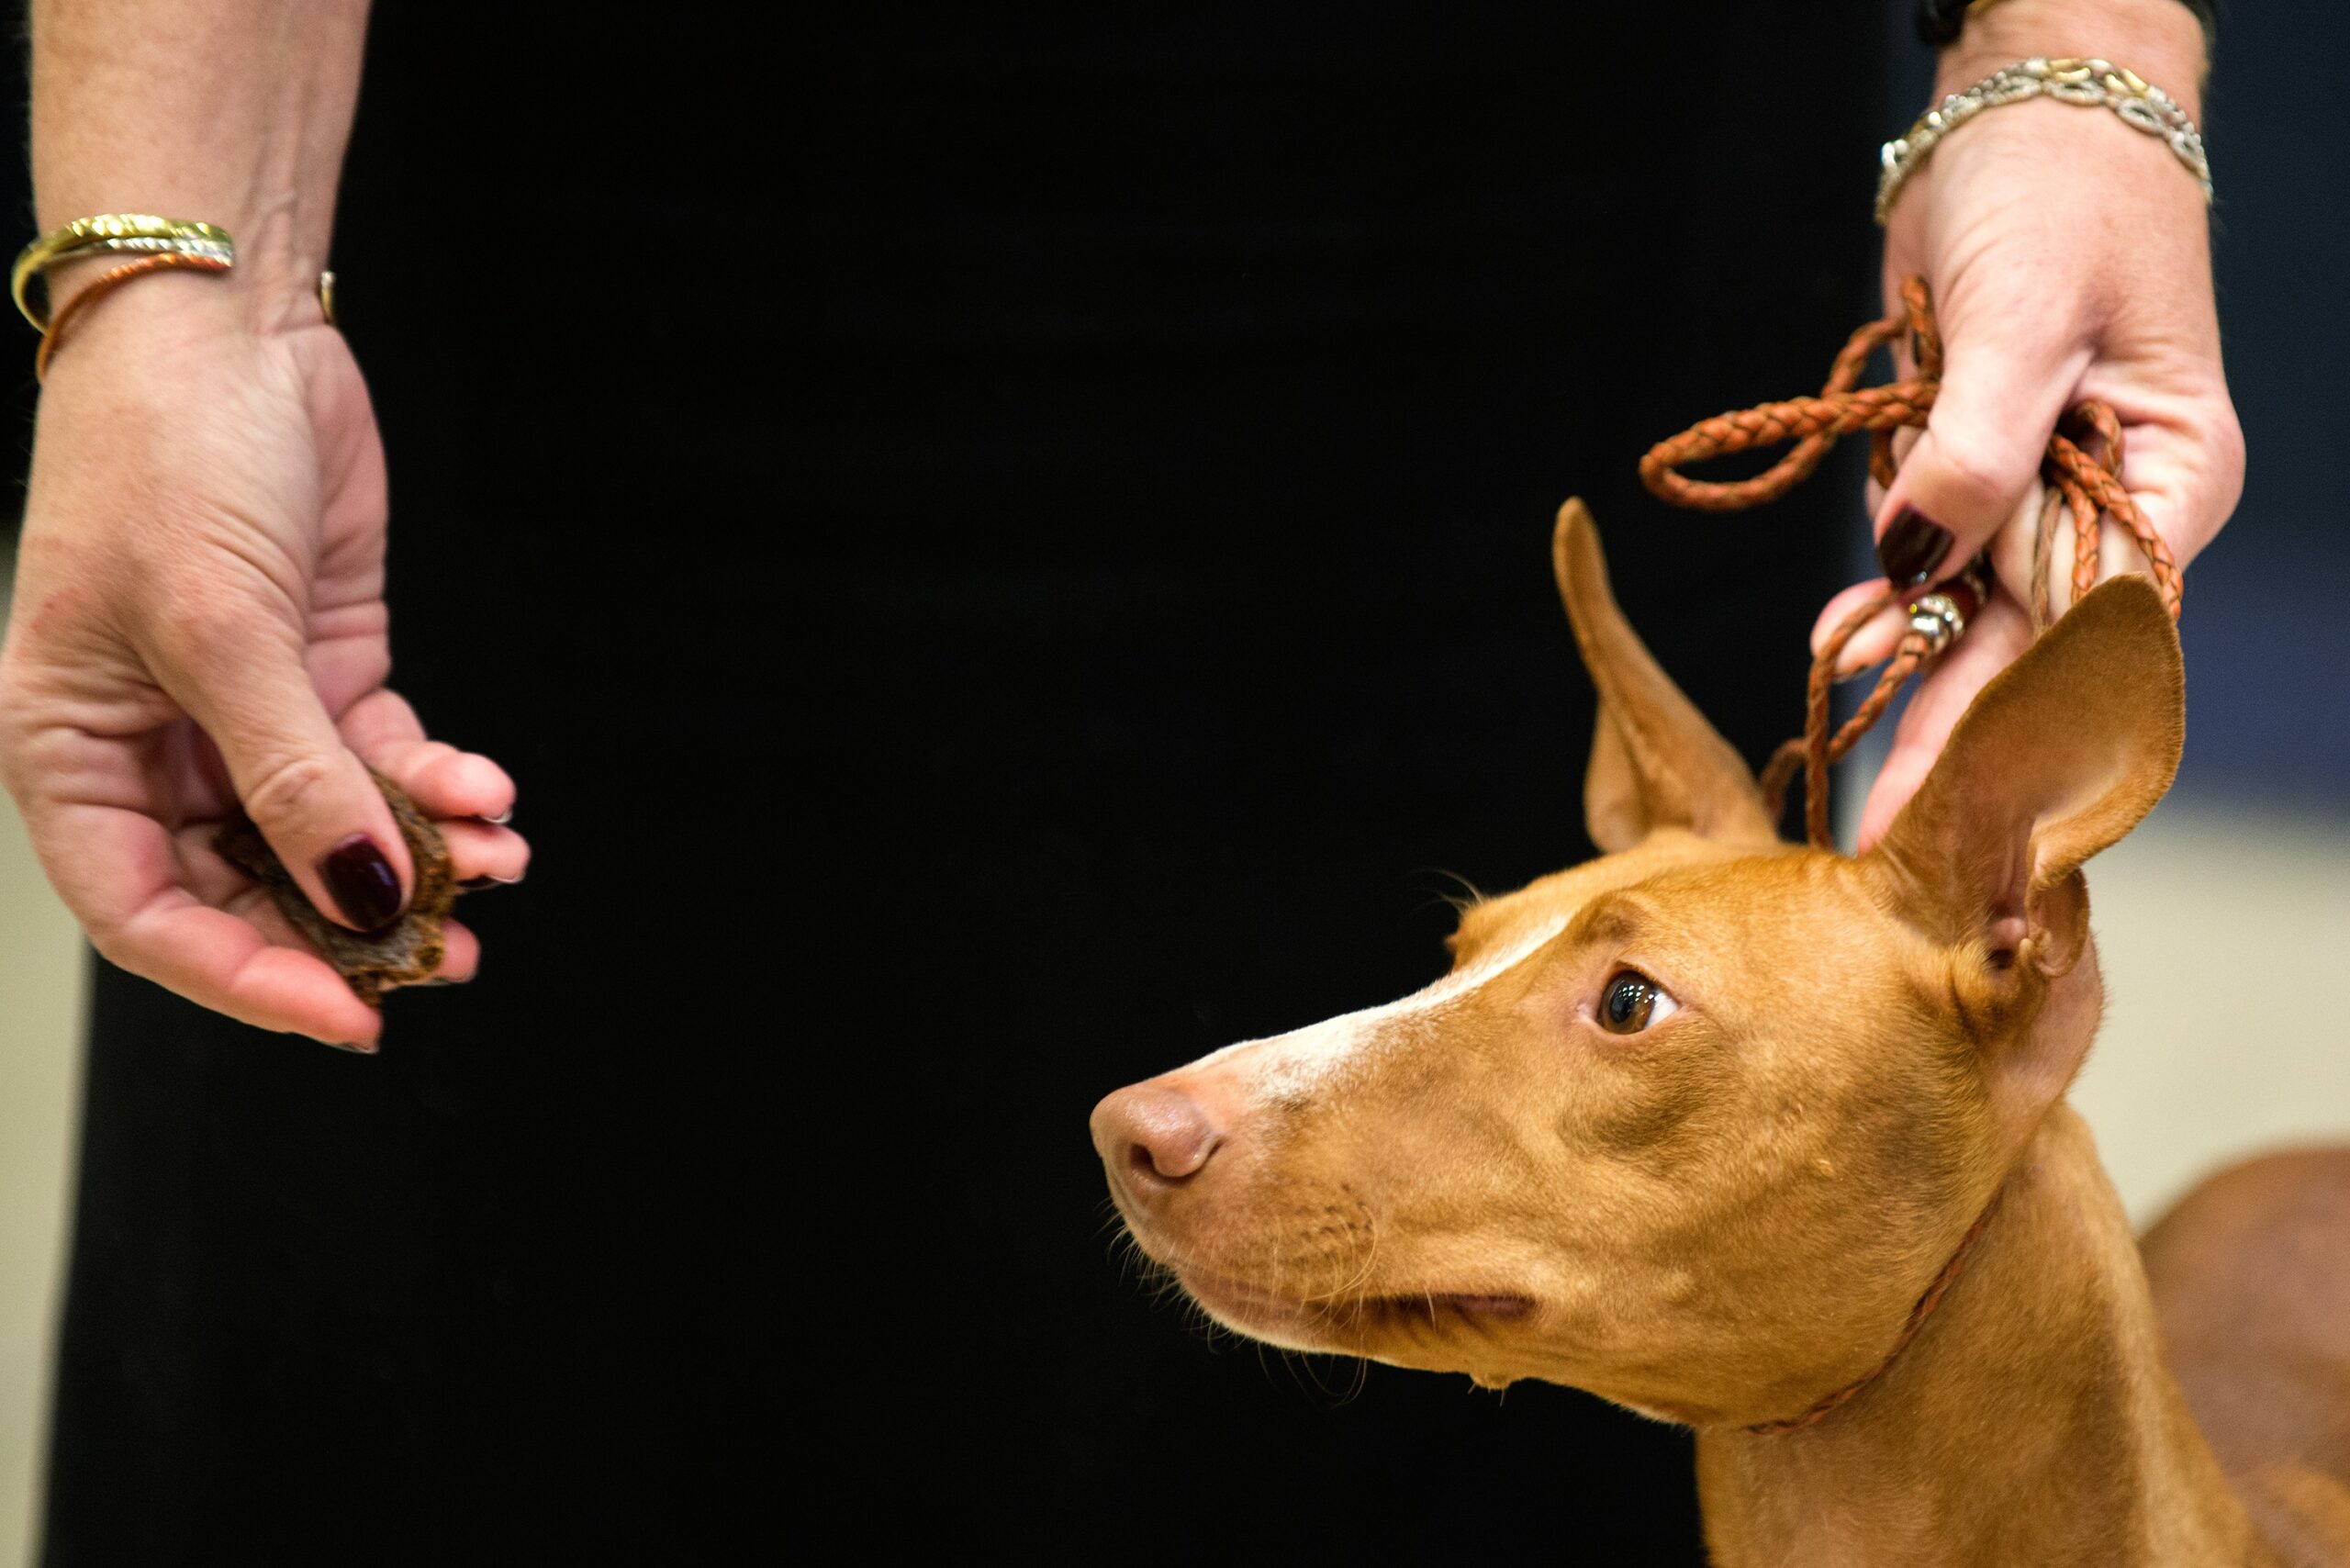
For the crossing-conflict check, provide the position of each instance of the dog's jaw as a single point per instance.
(1348, 1325)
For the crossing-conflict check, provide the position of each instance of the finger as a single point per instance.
(443, 780)
(1999, 633)
(482, 851)
(2185, 482)
(141, 919)
(1873, 643)
(232, 891)
(446, 782)
(478, 852)
(1903, 440)
(307, 793)
(460, 960)
(2004, 384)
(2182, 487)
(2010, 550)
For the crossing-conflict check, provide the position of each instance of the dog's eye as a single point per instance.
(1632, 1002)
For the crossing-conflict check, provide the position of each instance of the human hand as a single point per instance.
(199, 620)
(2069, 259)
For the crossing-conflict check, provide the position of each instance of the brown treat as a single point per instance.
(404, 952)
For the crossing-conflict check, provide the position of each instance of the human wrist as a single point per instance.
(164, 352)
(237, 116)
(149, 323)
(271, 287)
(2159, 39)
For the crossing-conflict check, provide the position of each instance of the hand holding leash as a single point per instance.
(2078, 468)
(2069, 251)
(2065, 375)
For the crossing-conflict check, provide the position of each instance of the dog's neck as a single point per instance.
(2033, 1420)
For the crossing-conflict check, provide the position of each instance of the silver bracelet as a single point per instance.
(2091, 83)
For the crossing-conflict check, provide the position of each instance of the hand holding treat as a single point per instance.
(406, 952)
(199, 634)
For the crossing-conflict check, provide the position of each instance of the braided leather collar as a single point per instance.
(1917, 1316)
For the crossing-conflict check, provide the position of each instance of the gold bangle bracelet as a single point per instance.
(137, 233)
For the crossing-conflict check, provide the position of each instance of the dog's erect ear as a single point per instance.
(1655, 762)
(2059, 756)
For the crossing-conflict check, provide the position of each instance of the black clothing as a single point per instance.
(1005, 563)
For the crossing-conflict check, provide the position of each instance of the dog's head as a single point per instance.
(1691, 1125)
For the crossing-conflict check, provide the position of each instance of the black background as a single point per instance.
(1005, 550)
(1195, 395)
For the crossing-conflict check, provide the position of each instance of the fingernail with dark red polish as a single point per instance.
(1913, 545)
(364, 886)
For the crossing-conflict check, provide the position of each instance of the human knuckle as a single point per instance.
(111, 941)
(373, 666)
(27, 746)
(285, 788)
(1974, 471)
(2228, 457)
(18, 771)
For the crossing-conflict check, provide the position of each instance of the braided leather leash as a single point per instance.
(2080, 471)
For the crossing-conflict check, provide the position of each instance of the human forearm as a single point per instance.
(233, 111)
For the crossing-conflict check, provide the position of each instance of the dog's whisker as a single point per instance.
(1470, 896)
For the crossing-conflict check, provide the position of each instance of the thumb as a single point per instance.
(2001, 394)
(313, 799)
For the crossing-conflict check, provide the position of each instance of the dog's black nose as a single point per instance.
(1154, 1138)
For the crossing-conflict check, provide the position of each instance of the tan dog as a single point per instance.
(1703, 1124)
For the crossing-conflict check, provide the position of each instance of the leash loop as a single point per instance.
(2081, 472)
